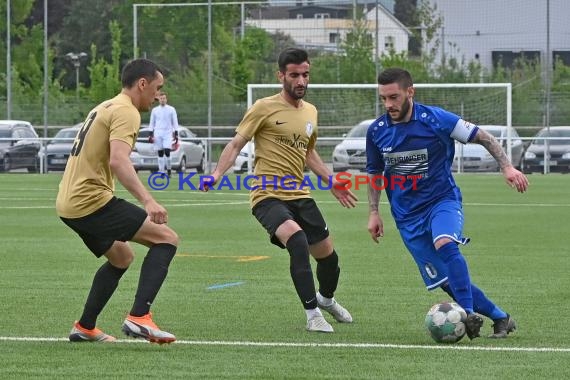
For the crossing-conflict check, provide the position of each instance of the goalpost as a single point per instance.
(347, 104)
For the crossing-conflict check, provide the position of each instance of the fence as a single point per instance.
(554, 146)
(199, 45)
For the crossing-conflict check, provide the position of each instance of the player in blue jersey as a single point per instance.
(409, 152)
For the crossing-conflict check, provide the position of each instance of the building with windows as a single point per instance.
(324, 27)
(496, 33)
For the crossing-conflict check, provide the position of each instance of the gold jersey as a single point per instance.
(88, 183)
(283, 134)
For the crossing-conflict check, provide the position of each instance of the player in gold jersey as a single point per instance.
(86, 203)
(284, 127)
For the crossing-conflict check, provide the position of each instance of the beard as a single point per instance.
(295, 92)
(403, 111)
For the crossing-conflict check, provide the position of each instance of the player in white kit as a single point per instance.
(164, 134)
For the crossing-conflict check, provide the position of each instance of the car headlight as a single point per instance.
(529, 156)
(243, 154)
(340, 152)
(566, 156)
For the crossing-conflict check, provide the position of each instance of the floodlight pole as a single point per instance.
(75, 59)
(8, 64)
(135, 37)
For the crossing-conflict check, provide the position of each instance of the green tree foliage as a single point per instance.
(249, 60)
(418, 70)
(561, 94)
(105, 76)
(241, 73)
(357, 65)
(406, 11)
(86, 24)
(176, 37)
(26, 49)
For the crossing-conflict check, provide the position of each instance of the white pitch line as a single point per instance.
(190, 203)
(314, 345)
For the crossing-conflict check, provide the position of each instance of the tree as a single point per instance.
(82, 27)
(249, 60)
(105, 80)
(357, 64)
(406, 11)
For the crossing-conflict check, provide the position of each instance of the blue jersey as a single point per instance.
(414, 159)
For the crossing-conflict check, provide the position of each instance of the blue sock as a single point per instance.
(484, 305)
(458, 275)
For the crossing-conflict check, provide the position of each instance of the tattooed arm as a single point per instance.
(493, 147)
(375, 223)
(513, 177)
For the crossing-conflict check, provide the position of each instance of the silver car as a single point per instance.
(475, 158)
(240, 164)
(351, 152)
(558, 151)
(190, 153)
(57, 150)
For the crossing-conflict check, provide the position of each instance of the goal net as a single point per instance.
(344, 105)
(341, 106)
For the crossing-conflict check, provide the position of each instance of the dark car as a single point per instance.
(558, 151)
(19, 146)
(57, 150)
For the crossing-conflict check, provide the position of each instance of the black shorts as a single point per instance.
(273, 212)
(117, 220)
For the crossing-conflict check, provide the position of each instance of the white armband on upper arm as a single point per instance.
(463, 131)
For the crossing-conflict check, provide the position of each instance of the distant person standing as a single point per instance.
(164, 132)
(87, 204)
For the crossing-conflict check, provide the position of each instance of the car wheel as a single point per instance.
(7, 165)
(200, 167)
(182, 166)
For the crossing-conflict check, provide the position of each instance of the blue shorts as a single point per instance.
(444, 220)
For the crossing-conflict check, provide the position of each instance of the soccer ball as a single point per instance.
(445, 322)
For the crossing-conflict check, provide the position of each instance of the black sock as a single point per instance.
(153, 272)
(104, 284)
(328, 273)
(300, 268)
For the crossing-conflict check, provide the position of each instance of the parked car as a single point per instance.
(351, 152)
(475, 157)
(57, 150)
(190, 153)
(19, 146)
(558, 151)
(240, 165)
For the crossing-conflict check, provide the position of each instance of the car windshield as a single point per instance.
(66, 134)
(5, 134)
(358, 131)
(144, 134)
(557, 134)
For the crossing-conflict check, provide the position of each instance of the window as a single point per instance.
(299, 16)
(322, 15)
(334, 38)
(562, 56)
(389, 43)
(507, 59)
